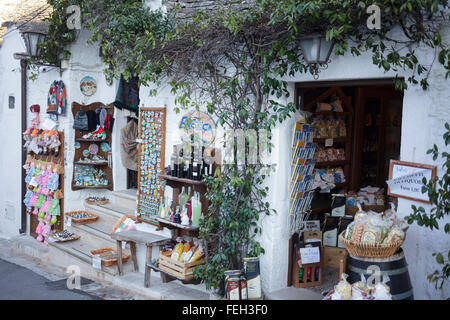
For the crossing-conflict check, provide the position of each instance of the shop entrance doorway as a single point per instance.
(354, 144)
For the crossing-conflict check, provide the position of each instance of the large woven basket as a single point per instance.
(92, 217)
(372, 250)
(109, 256)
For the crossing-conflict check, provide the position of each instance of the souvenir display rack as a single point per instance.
(152, 136)
(302, 165)
(105, 166)
(59, 225)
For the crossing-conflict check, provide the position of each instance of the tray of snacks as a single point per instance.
(359, 291)
(109, 256)
(64, 236)
(82, 217)
(96, 200)
(374, 235)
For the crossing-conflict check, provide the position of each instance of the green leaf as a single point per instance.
(439, 258)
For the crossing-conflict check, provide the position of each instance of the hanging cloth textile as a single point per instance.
(129, 146)
(56, 98)
(128, 94)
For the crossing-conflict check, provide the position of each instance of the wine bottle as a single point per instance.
(195, 172)
(196, 209)
(300, 275)
(180, 163)
(174, 162)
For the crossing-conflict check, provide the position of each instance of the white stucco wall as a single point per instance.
(424, 115)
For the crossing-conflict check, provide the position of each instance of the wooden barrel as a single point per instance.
(393, 269)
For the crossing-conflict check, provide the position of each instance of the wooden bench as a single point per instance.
(133, 237)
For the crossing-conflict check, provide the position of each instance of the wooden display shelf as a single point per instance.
(91, 140)
(180, 180)
(166, 277)
(171, 225)
(74, 187)
(92, 163)
(86, 142)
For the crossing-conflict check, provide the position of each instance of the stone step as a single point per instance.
(97, 232)
(81, 248)
(109, 209)
(126, 199)
(64, 255)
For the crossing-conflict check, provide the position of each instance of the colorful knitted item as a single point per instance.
(53, 182)
(46, 205)
(128, 94)
(29, 175)
(54, 208)
(27, 199)
(33, 199)
(56, 99)
(40, 201)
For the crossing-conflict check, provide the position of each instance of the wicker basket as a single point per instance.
(92, 217)
(370, 250)
(119, 222)
(57, 239)
(109, 256)
(98, 202)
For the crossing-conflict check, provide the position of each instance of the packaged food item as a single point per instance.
(197, 254)
(233, 286)
(395, 234)
(178, 250)
(338, 205)
(252, 274)
(343, 289)
(343, 224)
(381, 292)
(360, 213)
(330, 226)
(357, 232)
(349, 231)
(371, 235)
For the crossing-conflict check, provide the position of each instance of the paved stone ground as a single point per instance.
(24, 278)
(19, 283)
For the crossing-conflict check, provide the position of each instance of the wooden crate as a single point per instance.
(334, 257)
(178, 269)
(296, 268)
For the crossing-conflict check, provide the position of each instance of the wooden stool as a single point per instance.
(133, 237)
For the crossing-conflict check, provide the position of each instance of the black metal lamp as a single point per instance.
(32, 40)
(316, 51)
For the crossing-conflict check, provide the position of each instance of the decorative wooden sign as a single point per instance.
(405, 180)
(200, 124)
(152, 135)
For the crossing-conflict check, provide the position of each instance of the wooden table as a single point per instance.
(133, 237)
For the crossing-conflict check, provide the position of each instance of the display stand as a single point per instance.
(309, 271)
(152, 128)
(59, 225)
(105, 166)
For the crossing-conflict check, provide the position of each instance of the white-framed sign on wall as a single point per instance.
(405, 180)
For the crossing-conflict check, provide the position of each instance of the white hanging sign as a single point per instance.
(405, 180)
(310, 255)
